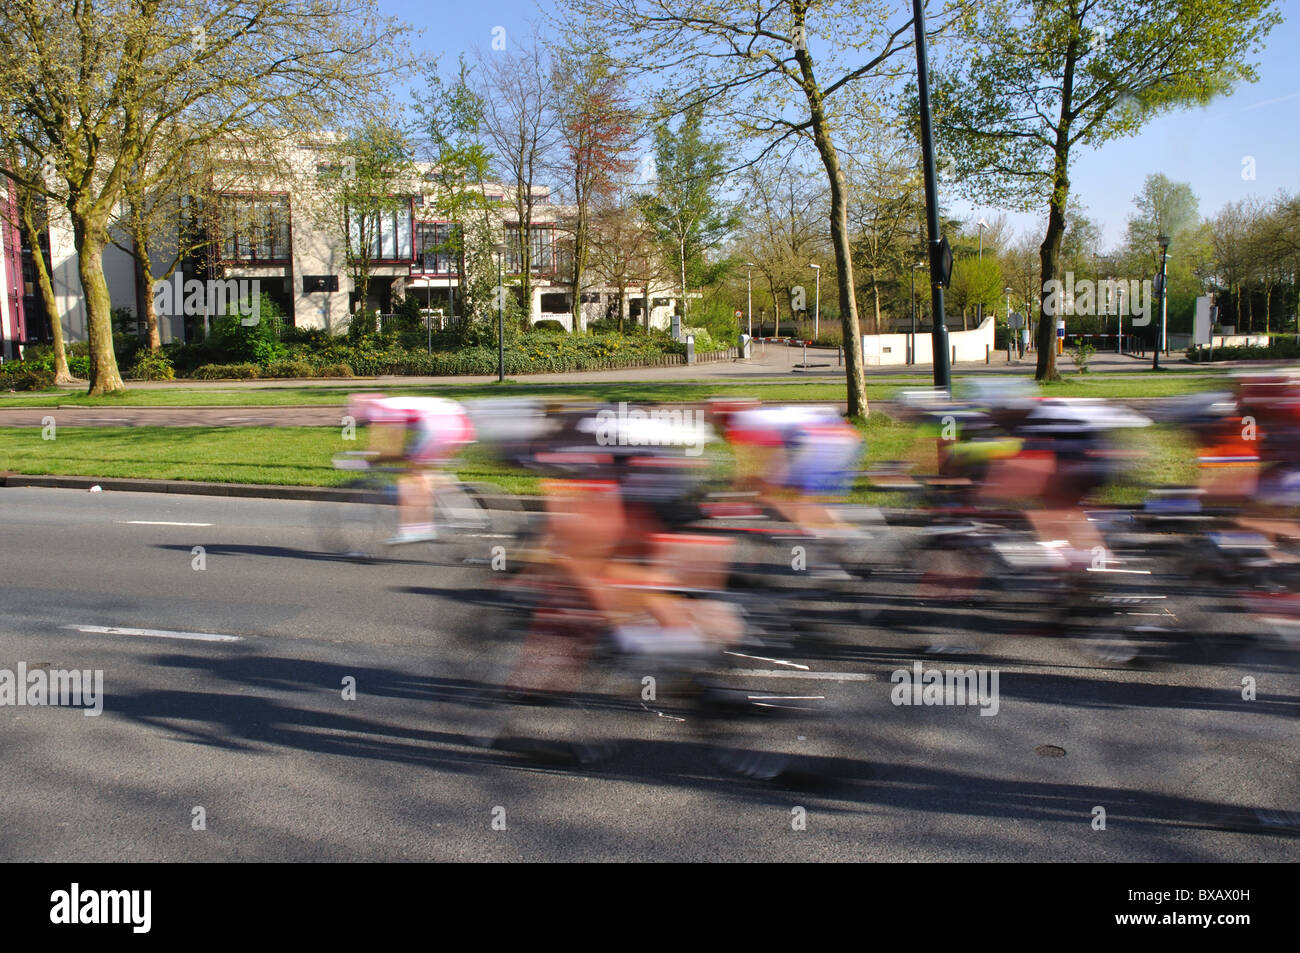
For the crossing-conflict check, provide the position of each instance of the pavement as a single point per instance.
(769, 361)
(226, 694)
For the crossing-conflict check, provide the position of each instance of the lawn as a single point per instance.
(1110, 385)
(300, 456)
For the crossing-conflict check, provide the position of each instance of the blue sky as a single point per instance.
(1204, 147)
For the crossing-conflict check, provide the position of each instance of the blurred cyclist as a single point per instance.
(420, 433)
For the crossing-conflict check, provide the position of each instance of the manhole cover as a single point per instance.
(1050, 751)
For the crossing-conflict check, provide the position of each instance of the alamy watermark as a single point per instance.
(215, 296)
(656, 427)
(1106, 296)
(63, 688)
(921, 686)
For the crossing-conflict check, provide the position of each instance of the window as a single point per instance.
(555, 303)
(541, 243)
(388, 235)
(435, 248)
(255, 227)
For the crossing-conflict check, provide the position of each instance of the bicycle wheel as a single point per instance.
(356, 528)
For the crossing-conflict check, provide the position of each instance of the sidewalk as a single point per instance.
(770, 362)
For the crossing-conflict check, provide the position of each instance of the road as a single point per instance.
(255, 730)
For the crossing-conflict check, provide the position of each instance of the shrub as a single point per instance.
(333, 370)
(79, 365)
(233, 341)
(551, 326)
(1081, 353)
(1279, 347)
(362, 326)
(222, 372)
(290, 368)
(151, 366)
(19, 375)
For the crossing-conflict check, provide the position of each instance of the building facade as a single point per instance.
(272, 225)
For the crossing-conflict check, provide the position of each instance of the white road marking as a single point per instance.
(154, 633)
(159, 523)
(817, 676)
(774, 661)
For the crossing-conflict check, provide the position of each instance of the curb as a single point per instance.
(264, 491)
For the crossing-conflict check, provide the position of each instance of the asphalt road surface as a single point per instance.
(224, 690)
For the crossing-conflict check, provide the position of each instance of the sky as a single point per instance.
(1255, 131)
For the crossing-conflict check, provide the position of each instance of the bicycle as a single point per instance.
(362, 522)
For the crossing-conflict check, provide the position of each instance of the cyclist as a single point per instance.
(419, 433)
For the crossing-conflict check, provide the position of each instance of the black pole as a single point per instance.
(501, 318)
(939, 332)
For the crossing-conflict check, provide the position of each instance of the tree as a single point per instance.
(754, 64)
(622, 248)
(30, 216)
(976, 282)
(597, 132)
(685, 210)
(522, 126)
(782, 230)
(1042, 77)
(91, 86)
(450, 118)
(1163, 207)
(367, 177)
(886, 200)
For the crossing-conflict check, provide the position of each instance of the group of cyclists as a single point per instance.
(640, 534)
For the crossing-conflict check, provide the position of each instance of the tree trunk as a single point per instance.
(854, 373)
(144, 275)
(104, 375)
(875, 292)
(681, 305)
(1049, 256)
(61, 373)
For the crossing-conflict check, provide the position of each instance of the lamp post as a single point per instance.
(1163, 241)
(500, 249)
(912, 353)
(1011, 332)
(749, 296)
(817, 305)
(937, 247)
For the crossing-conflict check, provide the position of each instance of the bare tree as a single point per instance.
(522, 125)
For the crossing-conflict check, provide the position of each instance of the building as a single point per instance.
(269, 223)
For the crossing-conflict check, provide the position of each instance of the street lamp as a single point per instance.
(500, 249)
(912, 354)
(979, 307)
(1163, 241)
(817, 306)
(749, 296)
(1011, 335)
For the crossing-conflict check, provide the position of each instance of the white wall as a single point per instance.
(885, 349)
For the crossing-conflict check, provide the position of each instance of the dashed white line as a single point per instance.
(159, 523)
(154, 633)
(817, 676)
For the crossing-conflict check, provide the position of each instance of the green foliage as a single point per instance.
(232, 341)
(408, 314)
(1082, 353)
(21, 375)
(1280, 347)
(290, 368)
(222, 372)
(685, 211)
(550, 325)
(152, 366)
(333, 370)
(363, 325)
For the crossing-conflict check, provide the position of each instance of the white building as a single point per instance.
(271, 226)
